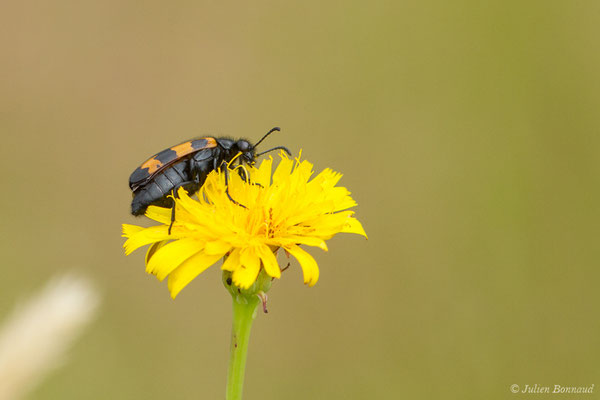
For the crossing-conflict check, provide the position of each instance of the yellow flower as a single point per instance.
(280, 210)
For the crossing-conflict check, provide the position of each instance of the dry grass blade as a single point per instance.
(36, 336)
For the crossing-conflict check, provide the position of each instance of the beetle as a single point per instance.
(187, 165)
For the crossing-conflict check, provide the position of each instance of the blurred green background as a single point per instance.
(467, 131)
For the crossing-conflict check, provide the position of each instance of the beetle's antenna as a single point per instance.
(276, 148)
(268, 133)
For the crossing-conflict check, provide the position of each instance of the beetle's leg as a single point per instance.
(227, 190)
(191, 165)
(172, 217)
(226, 170)
(245, 175)
(247, 179)
(216, 155)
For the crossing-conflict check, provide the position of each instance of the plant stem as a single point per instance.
(243, 315)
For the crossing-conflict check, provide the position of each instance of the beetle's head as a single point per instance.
(247, 150)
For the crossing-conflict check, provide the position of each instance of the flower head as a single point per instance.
(281, 209)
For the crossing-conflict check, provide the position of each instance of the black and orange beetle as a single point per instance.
(187, 165)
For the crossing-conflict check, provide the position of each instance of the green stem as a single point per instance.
(243, 315)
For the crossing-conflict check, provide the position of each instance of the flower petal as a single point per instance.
(307, 240)
(354, 226)
(159, 214)
(283, 171)
(232, 261)
(302, 172)
(269, 261)
(189, 269)
(217, 247)
(138, 236)
(168, 257)
(248, 257)
(310, 269)
(154, 248)
(129, 230)
(245, 275)
(262, 174)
